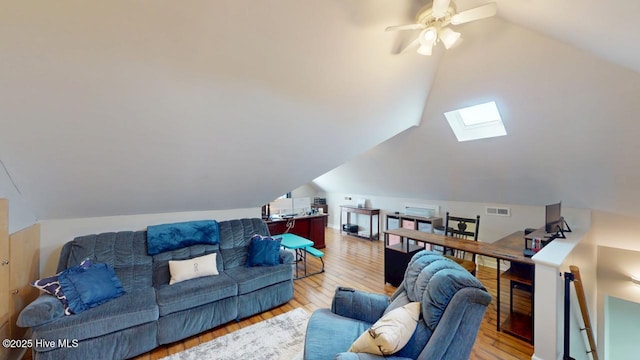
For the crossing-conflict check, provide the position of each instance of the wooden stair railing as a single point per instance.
(577, 282)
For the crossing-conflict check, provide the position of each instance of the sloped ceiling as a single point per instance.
(120, 107)
(124, 107)
(572, 132)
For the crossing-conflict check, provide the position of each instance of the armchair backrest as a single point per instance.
(453, 303)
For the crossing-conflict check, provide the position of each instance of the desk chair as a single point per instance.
(458, 228)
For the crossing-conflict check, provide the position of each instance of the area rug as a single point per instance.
(278, 338)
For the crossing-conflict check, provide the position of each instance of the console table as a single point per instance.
(356, 210)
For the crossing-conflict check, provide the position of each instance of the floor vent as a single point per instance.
(496, 211)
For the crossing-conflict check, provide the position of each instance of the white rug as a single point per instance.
(281, 337)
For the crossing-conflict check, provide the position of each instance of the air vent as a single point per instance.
(496, 211)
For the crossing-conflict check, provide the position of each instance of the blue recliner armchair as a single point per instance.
(453, 303)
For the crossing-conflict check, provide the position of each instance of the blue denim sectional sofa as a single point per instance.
(152, 312)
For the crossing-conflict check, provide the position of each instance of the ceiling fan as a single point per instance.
(433, 20)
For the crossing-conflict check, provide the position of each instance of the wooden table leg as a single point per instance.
(498, 295)
(370, 227)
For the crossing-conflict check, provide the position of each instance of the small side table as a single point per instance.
(300, 245)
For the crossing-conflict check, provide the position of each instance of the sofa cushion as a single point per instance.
(235, 236)
(200, 266)
(263, 251)
(327, 330)
(421, 335)
(132, 309)
(195, 292)
(125, 251)
(161, 273)
(166, 237)
(390, 333)
(86, 288)
(254, 278)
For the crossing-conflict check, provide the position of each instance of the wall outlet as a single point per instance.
(347, 198)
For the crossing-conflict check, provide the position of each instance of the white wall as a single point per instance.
(616, 230)
(552, 263)
(614, 271)
(623, 337)
(54, 233)
(307, 190)
(20, 216)
(618, 258)
(584, 256)
(492, 228)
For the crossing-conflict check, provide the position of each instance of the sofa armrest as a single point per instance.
(42, 310)
(365, 356)
(286, 257)
(359, 305)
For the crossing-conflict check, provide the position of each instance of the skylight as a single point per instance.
(476, 122)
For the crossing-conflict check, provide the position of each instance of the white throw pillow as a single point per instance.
(391, 333)
(182, 270)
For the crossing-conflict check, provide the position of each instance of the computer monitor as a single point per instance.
(553, 218)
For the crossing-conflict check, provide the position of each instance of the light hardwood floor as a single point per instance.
(359, 263)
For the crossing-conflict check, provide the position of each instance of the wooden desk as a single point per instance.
(309, 227)
(508, 248)
(325, 211)
(520, 275)
(356, 210)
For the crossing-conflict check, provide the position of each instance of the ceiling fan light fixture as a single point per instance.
(433, 18)
(448, 37)
(428, 35)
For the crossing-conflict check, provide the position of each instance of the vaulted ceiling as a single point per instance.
(124, 107)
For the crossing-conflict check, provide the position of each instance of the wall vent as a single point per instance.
(497, 211)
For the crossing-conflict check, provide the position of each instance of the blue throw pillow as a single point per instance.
(88, 287)
(263, 251)
(51, 286)
(166, 237)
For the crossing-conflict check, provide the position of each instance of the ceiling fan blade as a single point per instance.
(405, 27)
(425, 50)
(413, 44)
(477, 13)
(439, 8)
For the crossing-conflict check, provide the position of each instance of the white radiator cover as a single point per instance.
(424, 210)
